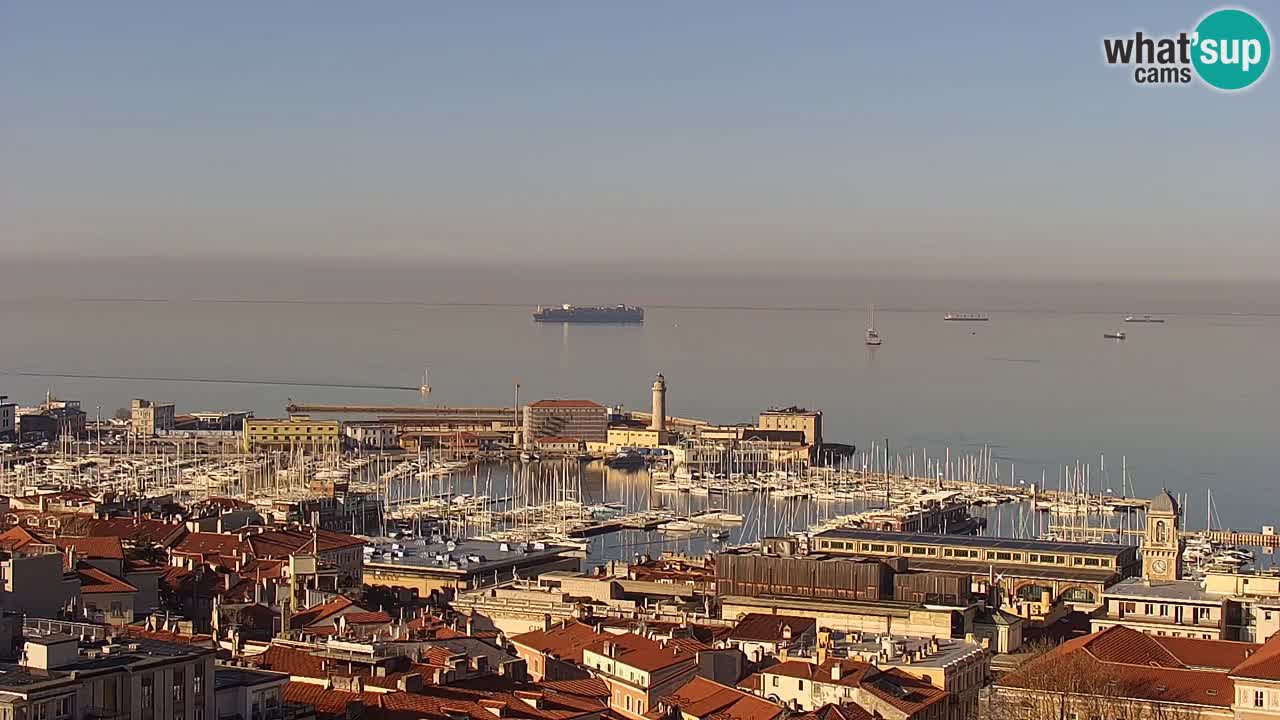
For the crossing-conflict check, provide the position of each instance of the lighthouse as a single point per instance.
(659, 420)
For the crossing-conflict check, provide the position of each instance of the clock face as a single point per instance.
(1159, 566)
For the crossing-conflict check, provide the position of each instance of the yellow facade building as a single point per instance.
(298, 431)
(794, 418)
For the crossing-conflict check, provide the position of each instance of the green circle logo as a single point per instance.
(1231, 49)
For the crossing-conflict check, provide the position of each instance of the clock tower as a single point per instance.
(1162, 546)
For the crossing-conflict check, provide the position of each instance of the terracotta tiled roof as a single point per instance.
(440, 656)
(1134, 665)
(285, 659)
(279, 544)
(328, 703)
(836, 712)
(763, 627)
(130, 530)
(96, 548)
(565, 641)
(199, 640)
(594, 687)
(19, 537)
(205, 544)
(852, 672)
(318, 613)
(93, 580)
(1219, 654)
(1264, 664)
(1130, 647)
(367, 618)
(431, 627)
(640, 652)
(139, 566)
(264, 569)
(893, 686)
(566, 404)
(703, 698)
(440, 702)
(905, 692)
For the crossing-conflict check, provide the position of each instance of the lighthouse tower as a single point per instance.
(659, 420)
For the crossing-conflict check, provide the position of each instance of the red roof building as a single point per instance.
(639, 671)
(556, 653)
(887, 692)
(706, 700)
(1120, 665)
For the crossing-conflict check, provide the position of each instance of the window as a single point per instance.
(1033, 592)
(179, 685)
(1259, 698)
(148, 693)
(775, 680)
(801, 684)
(1079, 595)
(197, 682)
(199, 713)
(64, 707)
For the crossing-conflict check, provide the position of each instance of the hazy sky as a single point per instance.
(829, 135)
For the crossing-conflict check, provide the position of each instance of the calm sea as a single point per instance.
(1190, 404)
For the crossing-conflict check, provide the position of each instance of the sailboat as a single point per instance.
(425, 388)
(873, 335)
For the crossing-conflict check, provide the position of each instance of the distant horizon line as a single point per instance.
(648, 306)
(823, 269)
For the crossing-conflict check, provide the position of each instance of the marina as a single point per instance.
(712, 498)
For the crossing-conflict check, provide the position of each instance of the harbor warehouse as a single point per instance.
(582, 419)
(794, 418)
(467, 564)
(1025, 570)
(298, 431)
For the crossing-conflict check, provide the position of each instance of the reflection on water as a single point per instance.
(517, 485)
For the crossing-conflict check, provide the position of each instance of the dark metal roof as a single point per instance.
(226, 677)
(975, 541)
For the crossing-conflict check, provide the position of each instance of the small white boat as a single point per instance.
(678, 526)
(717, 517)
(1117, 335)
(873, 335)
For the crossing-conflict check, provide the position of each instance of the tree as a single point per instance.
(121, 414)
(1055, 684)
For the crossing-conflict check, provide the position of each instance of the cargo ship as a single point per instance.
(1143, 319)
(601, 314)
(965, 317)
